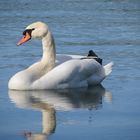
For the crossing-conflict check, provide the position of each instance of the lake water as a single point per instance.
(108, 112)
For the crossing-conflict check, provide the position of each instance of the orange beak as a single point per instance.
(24, 39)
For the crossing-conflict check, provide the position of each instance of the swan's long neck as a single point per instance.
(49, 55)
(47, 62)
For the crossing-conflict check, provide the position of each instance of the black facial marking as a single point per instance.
(29, 31)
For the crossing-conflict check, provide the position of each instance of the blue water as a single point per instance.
(112, 29)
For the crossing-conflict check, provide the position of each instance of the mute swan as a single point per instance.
(45, 74)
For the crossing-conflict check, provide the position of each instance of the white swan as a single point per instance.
(45, 74)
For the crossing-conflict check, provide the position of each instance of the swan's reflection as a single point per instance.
(51, 100)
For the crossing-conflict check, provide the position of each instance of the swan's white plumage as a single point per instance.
(69, 71)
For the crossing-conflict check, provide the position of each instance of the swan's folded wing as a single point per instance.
(70, 74)
(61, 58)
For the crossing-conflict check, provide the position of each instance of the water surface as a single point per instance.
(112, 29)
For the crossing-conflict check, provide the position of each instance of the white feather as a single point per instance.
(69, 71)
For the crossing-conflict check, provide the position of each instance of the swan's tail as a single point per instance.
(108, 68)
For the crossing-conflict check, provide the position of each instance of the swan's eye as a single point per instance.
(29, 31)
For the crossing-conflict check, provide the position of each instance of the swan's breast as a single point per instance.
(19, 81)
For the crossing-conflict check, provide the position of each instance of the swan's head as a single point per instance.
(34, 30)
